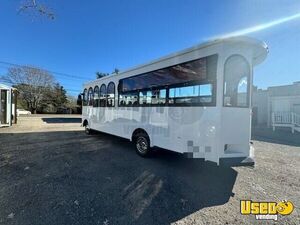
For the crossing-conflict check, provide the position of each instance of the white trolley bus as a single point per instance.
(196, 101)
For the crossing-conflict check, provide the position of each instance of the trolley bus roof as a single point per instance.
(259, 53)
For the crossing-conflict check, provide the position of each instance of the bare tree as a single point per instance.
(33, 84)
(34, 7)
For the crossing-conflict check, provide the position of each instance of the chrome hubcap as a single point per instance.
(141, 145)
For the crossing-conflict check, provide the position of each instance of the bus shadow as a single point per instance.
(100, 178)
(62, 120)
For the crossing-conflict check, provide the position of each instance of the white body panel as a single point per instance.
(202, 130)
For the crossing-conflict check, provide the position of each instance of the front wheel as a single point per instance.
(142, 145)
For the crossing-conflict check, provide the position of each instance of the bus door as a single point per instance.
(236, 111)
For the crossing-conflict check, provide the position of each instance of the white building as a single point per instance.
(8, 104)
(278, 106)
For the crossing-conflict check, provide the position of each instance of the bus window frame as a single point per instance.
(90, 97)
(114, 98)
(248, 83)
(213, 82)
(167, 88)
(85, 97)
(96, 102)
(105, 94)
(213, 103)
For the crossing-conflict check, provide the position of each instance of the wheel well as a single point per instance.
(138, 131)
(85, 122)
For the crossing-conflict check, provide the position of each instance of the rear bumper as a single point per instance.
(237, 161)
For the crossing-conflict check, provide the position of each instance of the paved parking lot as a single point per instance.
(52, 173)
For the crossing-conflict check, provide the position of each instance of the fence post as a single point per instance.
(293, 122)
(273, 121)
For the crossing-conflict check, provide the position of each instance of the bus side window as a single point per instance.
(145, 97)
(132, 99)
(196, 94)
(85, 97)
(153, 97)
(90, 96)
(158, 96)
(103, 95)
(96, 96)
(111, 95)
(121, 100)
(128, 99)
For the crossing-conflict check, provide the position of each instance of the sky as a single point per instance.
(94, 35)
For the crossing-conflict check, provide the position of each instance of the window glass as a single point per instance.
(102, 95)
(195, 94)
(201, 70)
(111, 94)
(242, 92)
(96, 96)
(236, 82)
(90, 96)
(153, 97)
(85, 97)
(158, 96)
(145, 97)
(128, 99)
(206, 90)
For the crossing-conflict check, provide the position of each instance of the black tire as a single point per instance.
(142, 144)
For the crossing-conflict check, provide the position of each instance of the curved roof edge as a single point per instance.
(260, 48)
(259, 54)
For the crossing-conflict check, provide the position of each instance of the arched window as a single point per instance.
(103, 95)
(111, 94)
(85, 97)
(90, 96)
(236, 82)
(96, 96)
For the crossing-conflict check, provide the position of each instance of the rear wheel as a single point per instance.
(142, 144)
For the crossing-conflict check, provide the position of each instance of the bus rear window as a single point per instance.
(236, 82)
